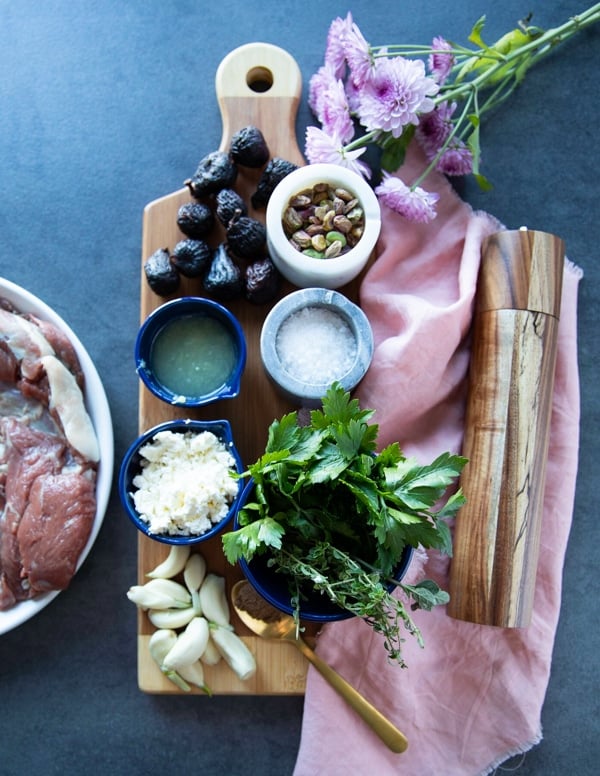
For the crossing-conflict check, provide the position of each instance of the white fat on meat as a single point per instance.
(25, 340)
(66, 399)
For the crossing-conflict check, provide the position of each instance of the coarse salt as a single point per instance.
(316, 345)
(185, 484)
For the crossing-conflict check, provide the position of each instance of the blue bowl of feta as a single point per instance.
(180, 481)
(190, 352)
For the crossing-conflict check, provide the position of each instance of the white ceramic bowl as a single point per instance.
(305, 271)
(99, 411)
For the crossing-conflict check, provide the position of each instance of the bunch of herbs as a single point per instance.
(334, 514)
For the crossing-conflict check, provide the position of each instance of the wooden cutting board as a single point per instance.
(258, 84)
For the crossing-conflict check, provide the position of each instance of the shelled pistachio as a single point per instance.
(324, 222)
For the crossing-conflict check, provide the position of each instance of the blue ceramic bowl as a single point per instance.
(130, 466)
(273, 586)
(197, 363)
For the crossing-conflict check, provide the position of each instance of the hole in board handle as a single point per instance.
(259, 79)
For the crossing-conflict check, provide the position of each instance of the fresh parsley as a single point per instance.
(333, 513)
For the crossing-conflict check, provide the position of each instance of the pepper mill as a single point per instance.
(507, 428)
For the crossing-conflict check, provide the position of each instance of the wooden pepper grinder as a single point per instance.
(511, 382)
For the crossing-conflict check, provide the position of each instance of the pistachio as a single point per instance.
(301, 200)
(342, 224)
(292, 220)
(328, 219)
(301, 239)
(334, 236)
(314, 228)
(313, 214)
(344, 194)
(313, 254)
(355, 215)
(321, 211)
(333, 249)
(319, 242)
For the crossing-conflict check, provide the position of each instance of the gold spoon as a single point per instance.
(269, 623)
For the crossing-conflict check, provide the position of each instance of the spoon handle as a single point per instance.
(386, 731)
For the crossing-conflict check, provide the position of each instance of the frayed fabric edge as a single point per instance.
(523, 749)
(573, 268)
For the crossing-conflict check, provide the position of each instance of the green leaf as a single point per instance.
(475, 34)
(282, 433)
(394, 149)
(329, 466)
(338, 407)
(246, 541)
(349, 437)
(421, 486)
(445, 537)
(483, 183)
(452, 505)
(426, 594)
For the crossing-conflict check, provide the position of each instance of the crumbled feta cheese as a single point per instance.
(185, 484)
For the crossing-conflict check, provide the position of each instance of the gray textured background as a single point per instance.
(107, 106)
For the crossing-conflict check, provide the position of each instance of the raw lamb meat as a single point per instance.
(48, 458)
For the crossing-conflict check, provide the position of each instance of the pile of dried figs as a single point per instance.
(239, 265)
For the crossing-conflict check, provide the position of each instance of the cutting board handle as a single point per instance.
(260, 84)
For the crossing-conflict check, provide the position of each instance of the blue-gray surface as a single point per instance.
(106, 106)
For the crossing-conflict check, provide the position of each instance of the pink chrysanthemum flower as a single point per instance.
(323, 148)
(434, 128)
(352, 96)
(335, 113)
(457, 159)
(440, 60)
(358, 56)
(397, 92)
(335, 49)
(415, 204)
(318, 86)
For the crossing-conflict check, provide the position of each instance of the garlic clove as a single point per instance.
(189, 646)
(173, 564)
(193, 576)
(211, 655)
(160, 594)
(171, 618)
(194, 674)
(213, 600)
(234, 651)
(160, 644)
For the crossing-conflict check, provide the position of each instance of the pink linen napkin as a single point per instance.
(473, 696)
